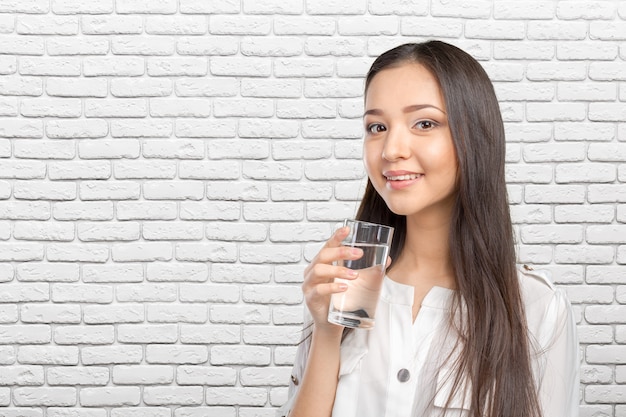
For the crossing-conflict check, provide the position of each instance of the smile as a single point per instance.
(404, 177)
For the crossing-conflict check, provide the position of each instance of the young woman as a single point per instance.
(459, 330)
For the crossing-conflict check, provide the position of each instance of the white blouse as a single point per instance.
(391, 370)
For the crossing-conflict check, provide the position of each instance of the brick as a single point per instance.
(93, 335)
(243, 108)
(324, 7)
(561, 152)
(109, 396)
(113, 66)
(535, 254)
(77, 375)
(525, 91)
(606, 234)
(49, 66)
(21, 128)
(203, 252)
(180, 107)
(595, 334)
(273, 335)
(141, 87)
(240, 355)
(260, 170)
(353, 68)
(595, 213)
(237, 190)
(595, 374)
(45, 396)
(173, 395)
(272, 211)
(303, 67)
(240, 67)
(111, 25)
(104, 355)
(142, 252)
(189, 87)
(265, 128)
(239, 314)
(541, 112)
(48, 272)
(48, 355)
(112, 273)
(83, 211)
(205, 375)
(286, 232)
(239, 25)
(177, 354)
(28, 334)
(463, 8)
(606, 193)
(591, 50)
(597, 274)
(257, 376)
(606, 354)
(554, 194)
(22, 375)
(172, 231)
(176, 25)
(586, 92)
(532, 10)
(607, 152)
(20, 86)
(8, 313)
(210, 334)
(330, 211)
(334, 170)
(146, 292)
(205, 128)
(560, 71)
(146, 6)
(156, 169)
(22, 45)
(590, 294)
(281, 88)
(214, 211)
(170, 149)
(607, 31)
(215, 45)
(552, 234)
(324, 46)
(611, 112)
(236, 395)
(113, 314)
(141, 412)
(301, 192)
(143, 45)
(76, 129)
(568, 254)
(213, 7)
(37, 149)
(398, 7)
(189, 313)
(590, 10)
(271, 47)
(16, 169)
(277, 295)
(151, 333)
(557, 30)
(209, 293)
(536, 174)
(349, 191)
(116, 108)
(324, 88)
(82, 7)
(287, 315)
(584, 131)
(589, 172)
(481, 29)
(21, 252)
(170, 190)
(142, 375)
(309, 25)
(44, 25)
(240, 273)
(607, 71)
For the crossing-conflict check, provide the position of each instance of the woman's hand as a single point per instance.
(318, 282)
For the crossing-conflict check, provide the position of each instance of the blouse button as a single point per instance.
(403, 375)
(294, 380)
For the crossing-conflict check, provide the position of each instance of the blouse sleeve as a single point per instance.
(297, 371)
(559, 385)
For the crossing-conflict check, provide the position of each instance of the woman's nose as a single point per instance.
(396, 145)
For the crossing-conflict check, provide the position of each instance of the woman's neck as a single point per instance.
(425, 257)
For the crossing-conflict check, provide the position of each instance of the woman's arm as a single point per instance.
(316, 395)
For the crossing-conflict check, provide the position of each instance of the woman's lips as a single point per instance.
(398, 180)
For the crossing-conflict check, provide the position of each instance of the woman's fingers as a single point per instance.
(330, 288)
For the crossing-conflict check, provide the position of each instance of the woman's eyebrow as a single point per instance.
(407, 109)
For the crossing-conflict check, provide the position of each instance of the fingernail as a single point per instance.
(343, 287)
(356, 252)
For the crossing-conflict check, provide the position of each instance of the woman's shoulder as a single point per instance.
(536, 285)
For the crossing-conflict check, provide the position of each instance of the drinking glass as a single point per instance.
(356, 307)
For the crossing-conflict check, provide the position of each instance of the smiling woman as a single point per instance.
(460, 330)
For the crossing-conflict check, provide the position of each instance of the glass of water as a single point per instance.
(356, 306)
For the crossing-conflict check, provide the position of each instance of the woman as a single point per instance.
(459, 330)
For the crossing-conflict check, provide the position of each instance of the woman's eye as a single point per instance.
(425, 124)
(375, 128)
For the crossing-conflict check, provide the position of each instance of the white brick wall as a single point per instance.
(168, 167)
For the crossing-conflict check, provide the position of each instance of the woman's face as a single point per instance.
(408, 150)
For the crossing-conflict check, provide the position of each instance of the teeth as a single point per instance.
(403, 177)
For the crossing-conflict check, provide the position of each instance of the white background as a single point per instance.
(168, 167)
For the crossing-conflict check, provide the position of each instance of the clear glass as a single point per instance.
(356, 307)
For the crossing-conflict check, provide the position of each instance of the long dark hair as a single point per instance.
(495, 354)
